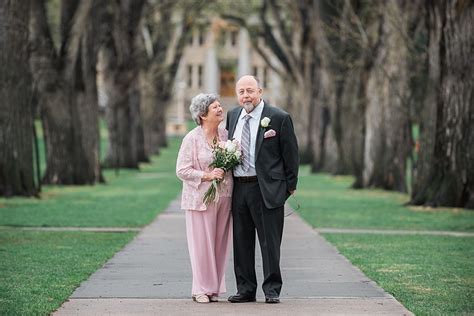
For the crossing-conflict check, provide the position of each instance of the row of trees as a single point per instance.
(50, 53)
(361, 74)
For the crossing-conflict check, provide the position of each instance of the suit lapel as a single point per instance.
(261, 130)
(233, 123)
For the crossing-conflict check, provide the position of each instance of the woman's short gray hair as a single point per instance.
(200, 105)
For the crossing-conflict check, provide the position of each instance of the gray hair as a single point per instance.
(200, 105)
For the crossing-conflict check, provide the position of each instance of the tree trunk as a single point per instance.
(154, 104)
(16, 117)
(445, 174)
(387, 134)
(86, 133)
(161, 138)
(121, 152)
(343, 165)
(138, 122)
(363, 133)
(323, 146)
(52, 99)
(126, 144)
(305, 129)
(121, 84)
(147, 98)
(65, 82)
(396, 110)
(359, 132)
(57, 130)
(341, 59)
(349, 130)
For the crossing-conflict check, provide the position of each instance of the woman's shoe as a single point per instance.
(213, 298)
(201, 298)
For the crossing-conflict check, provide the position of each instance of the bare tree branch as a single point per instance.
(255, 35)
(274, 45)
(68, 11)
(283, 30)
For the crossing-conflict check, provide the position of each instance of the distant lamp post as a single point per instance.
(179, 125)
(181, 88)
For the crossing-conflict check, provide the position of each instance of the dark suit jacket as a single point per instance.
(276, 158)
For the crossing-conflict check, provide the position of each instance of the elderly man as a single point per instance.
(266, 178)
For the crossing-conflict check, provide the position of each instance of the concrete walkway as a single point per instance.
(394, 232)
(319, 230)
(152, 276)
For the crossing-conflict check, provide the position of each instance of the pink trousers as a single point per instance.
(209, 233)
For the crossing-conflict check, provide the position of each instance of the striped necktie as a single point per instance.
(245, 143)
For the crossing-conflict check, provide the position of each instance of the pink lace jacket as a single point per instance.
(194, 158)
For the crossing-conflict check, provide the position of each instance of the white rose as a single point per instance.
(265, 122)
(230, 146)
(237, 154)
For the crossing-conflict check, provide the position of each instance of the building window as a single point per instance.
(190, 76)
(233, 38)
(191, 39)
(255, 71)
(201, 37)
(265, 77)
(221, 38)
(200, 76)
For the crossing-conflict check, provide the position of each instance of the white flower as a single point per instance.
(265, 122)
(237, 154)
(236, 143)
(230, 146)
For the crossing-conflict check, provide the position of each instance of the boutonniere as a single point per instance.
(265, 122)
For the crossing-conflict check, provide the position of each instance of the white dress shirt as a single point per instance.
(254, 123)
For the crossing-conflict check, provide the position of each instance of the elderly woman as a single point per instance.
(208, 227)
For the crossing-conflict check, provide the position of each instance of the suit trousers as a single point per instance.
(249, 214)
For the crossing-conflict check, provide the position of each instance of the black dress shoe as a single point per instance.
(239, 298)
(272, 300)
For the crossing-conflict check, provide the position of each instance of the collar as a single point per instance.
(256, 113)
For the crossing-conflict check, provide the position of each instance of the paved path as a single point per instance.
(395, 232)
(152, 276)
(319, 230)
(75, 229)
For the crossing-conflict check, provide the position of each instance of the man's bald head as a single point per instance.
(249, 78)
(249, 92)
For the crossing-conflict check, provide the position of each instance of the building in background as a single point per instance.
(215, 57)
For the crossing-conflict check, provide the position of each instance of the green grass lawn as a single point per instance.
(131, 198)
(428, 274)
(327, 201)
(40, 270)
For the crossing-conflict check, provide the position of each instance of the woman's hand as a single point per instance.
(215, 174)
